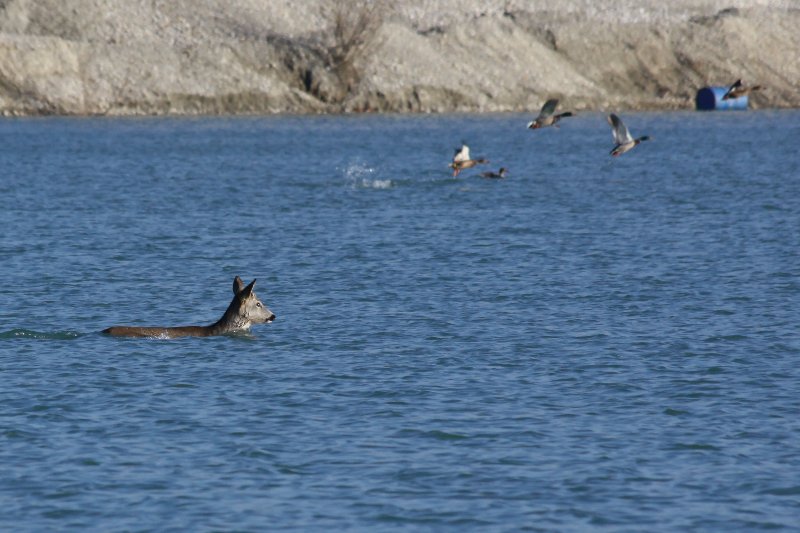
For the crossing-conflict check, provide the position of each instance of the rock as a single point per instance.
(122, 57)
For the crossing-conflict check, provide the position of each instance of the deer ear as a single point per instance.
(238, 285)
(247, 291)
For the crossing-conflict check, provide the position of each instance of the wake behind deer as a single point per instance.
(244, 310)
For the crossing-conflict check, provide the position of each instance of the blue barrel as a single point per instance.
(710, 99)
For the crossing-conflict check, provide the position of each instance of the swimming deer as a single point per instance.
(244, 311)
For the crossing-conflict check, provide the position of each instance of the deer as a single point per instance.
(244, 310)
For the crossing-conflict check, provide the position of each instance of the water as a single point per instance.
(589, 344)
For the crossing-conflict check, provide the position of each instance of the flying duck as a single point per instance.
(462, 160)
(622, 137)
(546, 116)
(736, 90)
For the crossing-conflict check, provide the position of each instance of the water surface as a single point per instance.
(589, 344)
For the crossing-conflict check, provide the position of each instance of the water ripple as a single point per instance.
(584, 345)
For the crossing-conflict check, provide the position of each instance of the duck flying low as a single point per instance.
(737, 90)
(546, 116)
(462, 160)
(623, 141)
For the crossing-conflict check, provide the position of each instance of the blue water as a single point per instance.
(590, 344)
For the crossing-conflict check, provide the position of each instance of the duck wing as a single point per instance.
(548, 108)
(732, 90)
(462, 154)
(619, 130)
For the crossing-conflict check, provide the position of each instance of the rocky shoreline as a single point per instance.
(154, 57)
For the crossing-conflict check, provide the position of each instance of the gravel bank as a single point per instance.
(130, 57)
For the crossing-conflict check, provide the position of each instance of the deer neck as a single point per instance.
(231, 321)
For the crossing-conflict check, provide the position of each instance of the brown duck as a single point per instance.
(623, 140)
(462, 160)
(500, 174)
(546, 116)
(737, 90)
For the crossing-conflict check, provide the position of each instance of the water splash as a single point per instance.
(360, 176)
(377, 184)
(46, 335)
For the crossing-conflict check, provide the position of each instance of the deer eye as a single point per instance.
(258, 304)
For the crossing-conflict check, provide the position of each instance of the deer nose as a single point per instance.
(271, 317)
